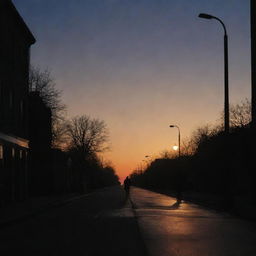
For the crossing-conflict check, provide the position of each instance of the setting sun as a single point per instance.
(175, 148)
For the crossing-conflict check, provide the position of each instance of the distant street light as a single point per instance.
(226, 93)
(172, 126)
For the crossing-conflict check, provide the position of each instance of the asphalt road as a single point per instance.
(151, 224)
(171, 229)
(99, 224)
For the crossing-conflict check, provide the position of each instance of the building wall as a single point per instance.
(13, 174)
(40, 137)
(14, 71)
(15, 42)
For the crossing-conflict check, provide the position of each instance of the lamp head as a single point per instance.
(172, 126)
(205, 16)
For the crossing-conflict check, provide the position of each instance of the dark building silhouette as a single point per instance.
(63, 176)
(15, 43)
(40, 138)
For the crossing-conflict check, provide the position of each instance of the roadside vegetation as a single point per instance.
(76, 141)
(211, 162)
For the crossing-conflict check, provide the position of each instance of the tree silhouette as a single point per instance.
(86, 135)
(43, 83)
(240, 114)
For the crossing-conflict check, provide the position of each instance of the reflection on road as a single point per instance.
(185, 229)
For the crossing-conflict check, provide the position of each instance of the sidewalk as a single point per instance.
(241, 206)
(21, 211)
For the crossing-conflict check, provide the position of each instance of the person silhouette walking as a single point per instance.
(127, 184)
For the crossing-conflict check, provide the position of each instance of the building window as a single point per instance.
(1, 152)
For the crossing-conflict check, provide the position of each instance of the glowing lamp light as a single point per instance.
(175, 148)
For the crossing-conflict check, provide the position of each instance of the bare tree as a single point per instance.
(88, 136)
(59, 136)
(200, 135)
(166, 154)
(188, 147)
(43, 83)
(240, 114)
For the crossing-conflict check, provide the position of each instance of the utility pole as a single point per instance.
(253, 61)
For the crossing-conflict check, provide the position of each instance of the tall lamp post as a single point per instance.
(172, 126)
(226, 96)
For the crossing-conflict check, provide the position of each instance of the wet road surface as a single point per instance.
(150, 224)
(170, 229)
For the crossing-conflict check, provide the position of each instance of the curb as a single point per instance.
(133, 206)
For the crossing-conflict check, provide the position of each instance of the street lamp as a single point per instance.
(226, 97)
(172, 126)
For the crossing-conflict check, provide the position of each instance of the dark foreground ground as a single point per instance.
(105, 223)
(101, 223)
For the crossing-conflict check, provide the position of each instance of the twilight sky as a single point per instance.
(141, 65)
